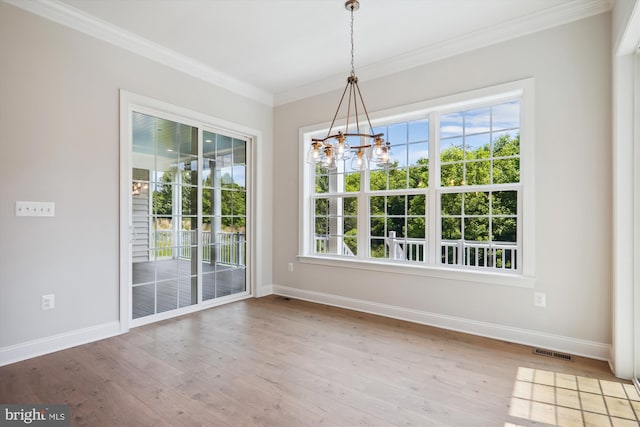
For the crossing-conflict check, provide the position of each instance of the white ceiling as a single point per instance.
(282, 50)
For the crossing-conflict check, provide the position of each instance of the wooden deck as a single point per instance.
(167, 284)
(278, 362)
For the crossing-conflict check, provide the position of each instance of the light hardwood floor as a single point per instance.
(279, 362)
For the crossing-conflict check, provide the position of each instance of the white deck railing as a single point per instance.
(321, 246)
(229, 248)
(484, 255)
(406, 249)
(500, 256)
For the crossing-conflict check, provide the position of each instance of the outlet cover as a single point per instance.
(540, 299)
(48, 302)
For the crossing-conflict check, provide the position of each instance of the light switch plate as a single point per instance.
(35, 209)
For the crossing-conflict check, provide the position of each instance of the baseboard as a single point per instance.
(38, 347)
(263, 291)
(578, 347)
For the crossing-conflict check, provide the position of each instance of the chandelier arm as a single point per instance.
(337, 110)
(335, 136)
(364, 107)
(355, 104)
(351, 97)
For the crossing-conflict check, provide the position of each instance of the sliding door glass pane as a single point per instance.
(164, 214)
(224, 207)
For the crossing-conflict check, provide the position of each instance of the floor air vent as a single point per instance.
(551, 353)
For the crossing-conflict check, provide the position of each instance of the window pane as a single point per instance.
(416, 228)
(419, 130)
(239, 176)
(477, 173)
(418, 154)
(477, 146)
(397, 134)
(451, 228)
(451, 150)
(399, 153)
(188, 167)
(226, 177)
(352, 182)
(350, 206)
(322, 184)
(376, 205)
(322, 207)
(506, 144)
(378, 180)
(419, 177)
(239, 223)
(504, 229)
(395, 225)
(416, 204)
(506, 171)
(451, 175)
(239, 203)
(505, 203)
(396, 205)
(378, 227)
(352, 244)
(477, 121)
(451, 203)
(208, 165)
(450, 125)
(239, 152)
(476, 203)
(476, 229)
(397, 179)
(162, 199)
(506, 116)
(378, 248)
(322, 226)
(189, 199)
(350, 226)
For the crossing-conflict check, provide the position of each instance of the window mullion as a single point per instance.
(433, 205)
(363, 216)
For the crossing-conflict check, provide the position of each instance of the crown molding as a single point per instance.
(630, 40)
(549, 18)
(64, 14)
(71, 17)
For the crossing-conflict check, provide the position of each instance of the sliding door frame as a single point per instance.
(131, 102)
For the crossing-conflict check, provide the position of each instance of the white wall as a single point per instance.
(572, 70)
(59, 142)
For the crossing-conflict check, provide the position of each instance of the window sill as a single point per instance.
(502, 279)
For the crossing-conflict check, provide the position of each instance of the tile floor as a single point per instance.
(568, 401)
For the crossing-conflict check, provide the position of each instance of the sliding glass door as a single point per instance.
(188, 216)
(224, 215)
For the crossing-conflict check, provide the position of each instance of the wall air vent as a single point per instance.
(554, 354)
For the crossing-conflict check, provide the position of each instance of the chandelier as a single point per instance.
(371, 147)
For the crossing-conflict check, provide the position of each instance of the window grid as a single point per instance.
(386, 230)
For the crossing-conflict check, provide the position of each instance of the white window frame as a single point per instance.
(522, 89)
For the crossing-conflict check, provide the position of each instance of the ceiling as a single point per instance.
(277, 51)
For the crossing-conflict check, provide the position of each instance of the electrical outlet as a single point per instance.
(48, 302)
(540, 299)
(290, 267)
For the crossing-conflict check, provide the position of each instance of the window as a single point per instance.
(456, 197)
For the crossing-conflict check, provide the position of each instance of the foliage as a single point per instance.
(468, 215)
(232, 200)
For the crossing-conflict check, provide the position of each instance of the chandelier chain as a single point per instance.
(353, 69)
